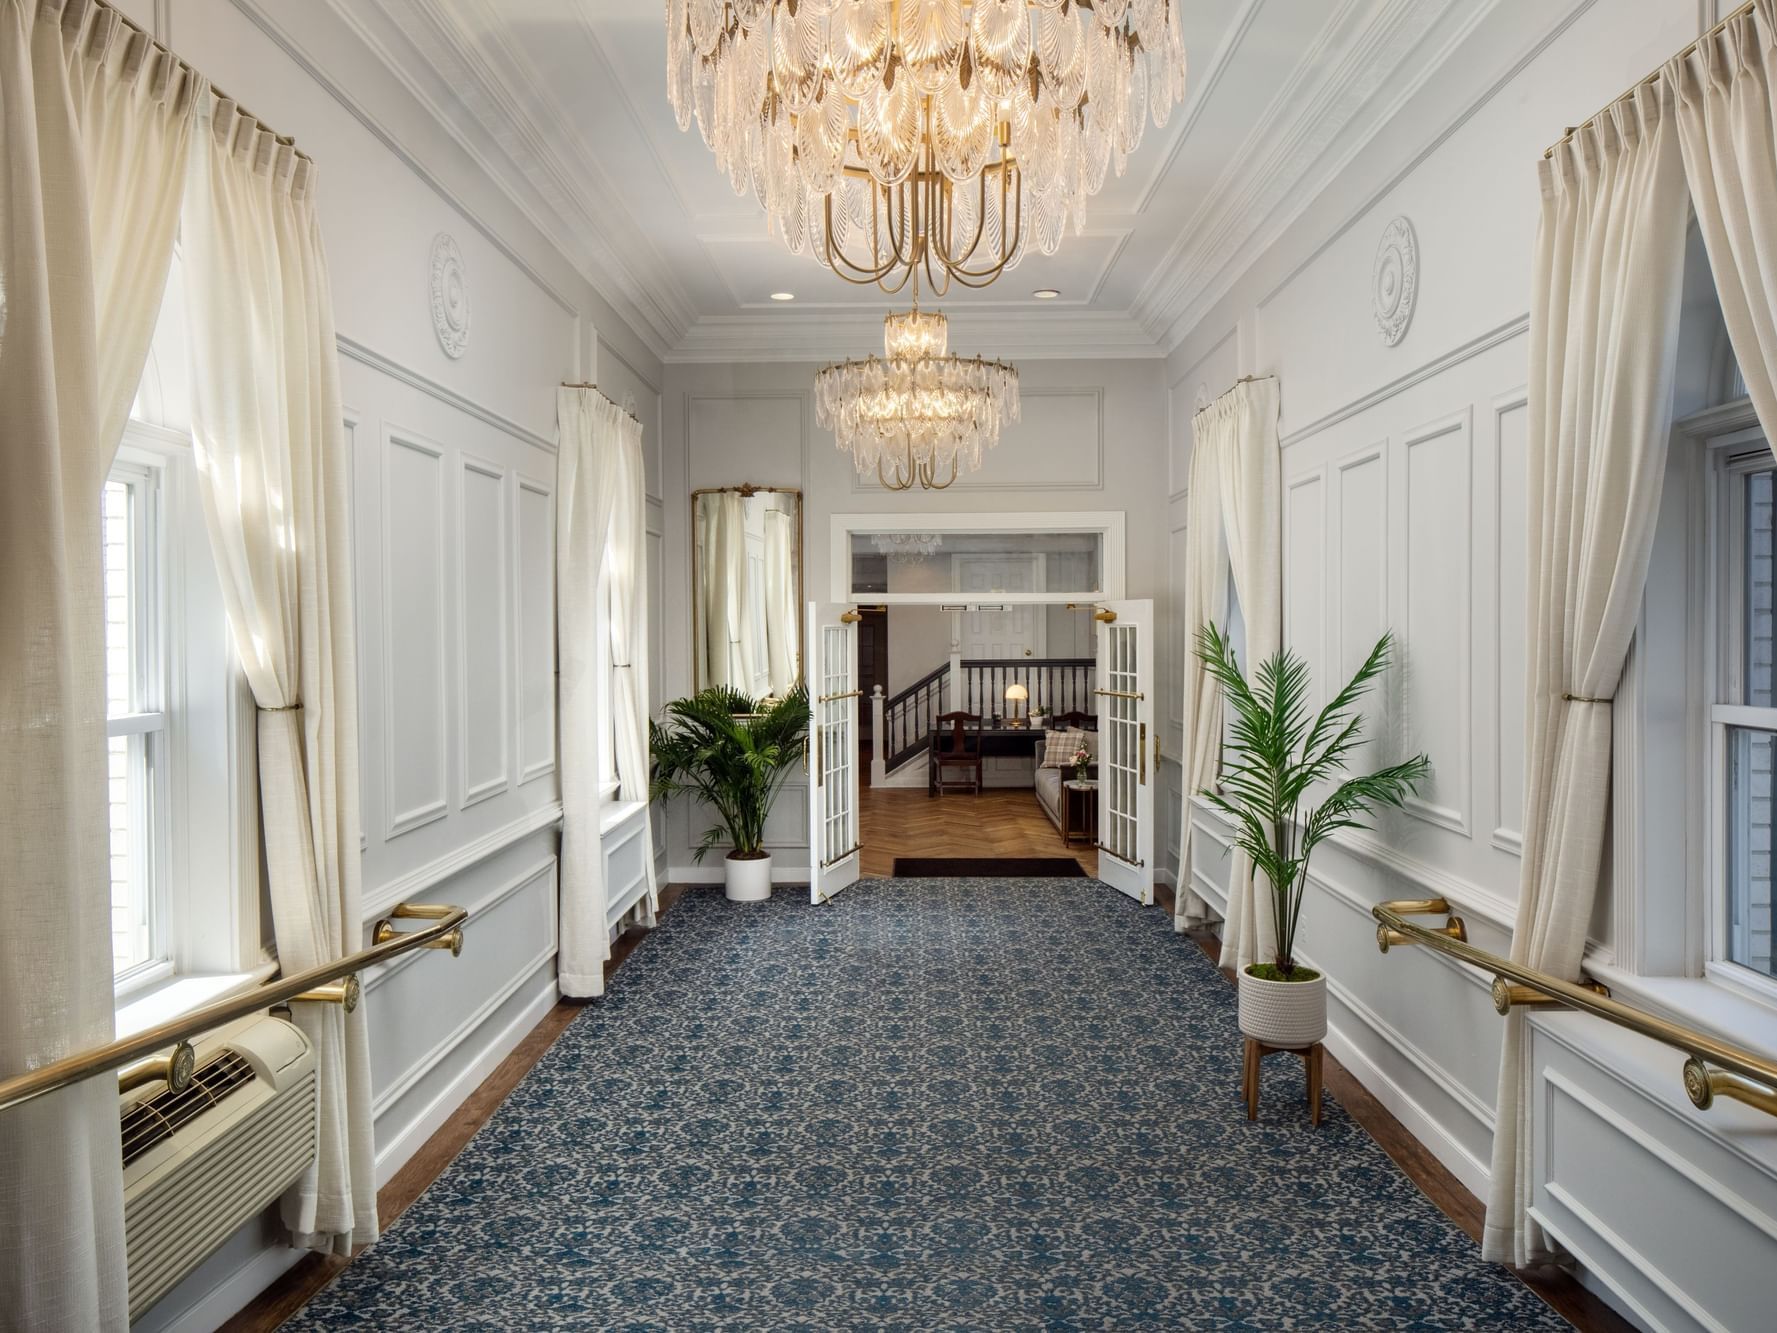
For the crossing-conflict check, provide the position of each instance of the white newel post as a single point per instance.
(953, 684)
(878, 760)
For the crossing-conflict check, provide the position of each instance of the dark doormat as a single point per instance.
(988, 867)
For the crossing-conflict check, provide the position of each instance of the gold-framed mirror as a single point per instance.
(746, 588)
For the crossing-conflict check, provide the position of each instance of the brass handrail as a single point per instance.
(443, 930)
(1711, 1069)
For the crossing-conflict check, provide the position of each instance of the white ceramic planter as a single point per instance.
(1283, 1013)
(747, 879)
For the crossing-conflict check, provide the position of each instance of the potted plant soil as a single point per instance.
(1277, 756)
(733, 753)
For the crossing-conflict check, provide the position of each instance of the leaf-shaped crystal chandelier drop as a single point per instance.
(950, 135)
(916, 414)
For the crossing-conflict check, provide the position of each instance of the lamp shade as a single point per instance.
(1016, 693)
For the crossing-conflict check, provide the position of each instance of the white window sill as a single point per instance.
(181, 995)
(1723, 1012)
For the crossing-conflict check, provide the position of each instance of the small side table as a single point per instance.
(1079, 812)
(1249, 1075)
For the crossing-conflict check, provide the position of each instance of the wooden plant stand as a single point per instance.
(1256, 1051)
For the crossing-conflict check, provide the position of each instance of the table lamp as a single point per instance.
(1016, 694)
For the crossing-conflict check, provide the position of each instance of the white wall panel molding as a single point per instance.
(532, 888)
(1304, 574)
(1436, 613)
(1069, 426)
(485, 674)
(534, 642)
(367, 356)
(1503, 333)
(1508, 569)
(1358, 545)
(398, 1146)
(416, 686)
(1600, 1157)
(421, 880)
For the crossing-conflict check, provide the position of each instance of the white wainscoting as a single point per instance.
(484, 628)
(413, 584)
(1674, 1211)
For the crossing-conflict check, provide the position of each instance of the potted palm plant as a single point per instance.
(1278, 755)
(733, 753)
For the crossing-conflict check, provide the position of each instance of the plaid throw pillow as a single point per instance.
(1059, 747)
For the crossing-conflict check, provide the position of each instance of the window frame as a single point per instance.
(1733, 455)
(210, 917)
(147, 723)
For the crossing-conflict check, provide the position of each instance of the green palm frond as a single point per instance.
(1275, 757)
(732, 752)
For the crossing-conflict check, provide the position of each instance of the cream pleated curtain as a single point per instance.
(1603, 351)
(1206, 602)
(1239, 494)
(1727, 131)
(273, 472)
(94, 122)
(628, 557)
(589, 475)
(781, 619)
(737, 591)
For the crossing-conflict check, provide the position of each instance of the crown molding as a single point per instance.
(427, 49)
(827, 335)
(1356, 56)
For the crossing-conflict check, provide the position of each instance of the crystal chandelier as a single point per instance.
(886, 136)
(916, 413)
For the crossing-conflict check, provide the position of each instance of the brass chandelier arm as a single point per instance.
(1712, 1068)
(443, 923)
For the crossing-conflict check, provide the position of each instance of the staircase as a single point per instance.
(903, 722)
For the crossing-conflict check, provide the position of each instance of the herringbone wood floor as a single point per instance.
(902, 821)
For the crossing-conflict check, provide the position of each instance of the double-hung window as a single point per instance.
(135, 583)
(1743, 715)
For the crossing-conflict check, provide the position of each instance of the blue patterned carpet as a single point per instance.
(929, 1104)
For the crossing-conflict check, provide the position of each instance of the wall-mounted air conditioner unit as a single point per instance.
(198, 1164)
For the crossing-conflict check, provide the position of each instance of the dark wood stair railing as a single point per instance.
(909, 715)
(1060, 684)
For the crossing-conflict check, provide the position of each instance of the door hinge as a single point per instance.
(1142, 748)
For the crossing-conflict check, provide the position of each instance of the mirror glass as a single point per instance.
(746, 615)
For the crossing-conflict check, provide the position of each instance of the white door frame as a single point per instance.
(1109, 523)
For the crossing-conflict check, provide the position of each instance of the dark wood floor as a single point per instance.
(1559, 1289)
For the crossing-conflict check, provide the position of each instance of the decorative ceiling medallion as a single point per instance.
(1394, 286)
(450, 296)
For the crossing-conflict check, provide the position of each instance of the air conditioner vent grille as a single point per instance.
(157, 1118)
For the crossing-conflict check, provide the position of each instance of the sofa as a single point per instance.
(1048, 781)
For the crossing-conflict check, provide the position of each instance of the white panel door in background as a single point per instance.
(1126, 775)
(997, 629)
(832, 675)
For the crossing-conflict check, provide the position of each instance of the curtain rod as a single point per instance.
(219, 94)
(588, 384)
(1244, 379)
(1654, 77)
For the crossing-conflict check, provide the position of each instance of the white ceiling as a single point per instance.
(565, 102)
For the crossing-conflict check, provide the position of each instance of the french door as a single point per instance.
(832, 749)
(1126, 777)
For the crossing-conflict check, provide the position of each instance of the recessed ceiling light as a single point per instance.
(1045, 293)
(783, 296)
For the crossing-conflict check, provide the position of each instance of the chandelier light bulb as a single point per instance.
(885, 136)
